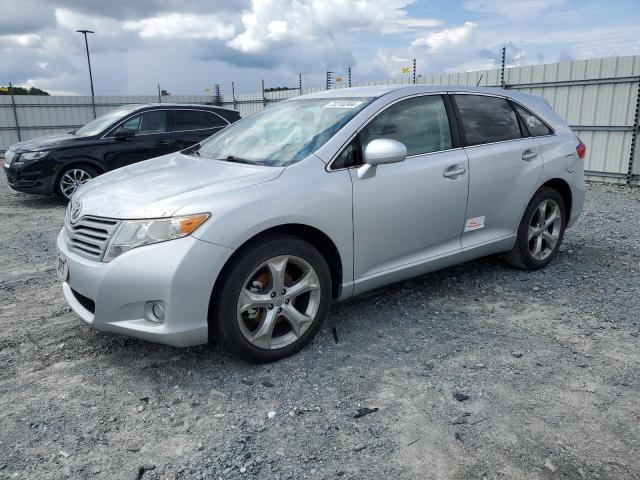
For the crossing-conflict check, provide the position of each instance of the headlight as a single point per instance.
(136, 233)
(32, 156)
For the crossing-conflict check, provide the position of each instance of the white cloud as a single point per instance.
(271, 21)
(23, 40)
(450, 37)
(184, 26)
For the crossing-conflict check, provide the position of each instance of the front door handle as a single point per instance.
(454, 171)
(529, 155)
(162, 142)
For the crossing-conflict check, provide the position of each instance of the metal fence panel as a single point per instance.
(597, 97)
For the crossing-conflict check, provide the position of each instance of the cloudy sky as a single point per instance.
(188, 45)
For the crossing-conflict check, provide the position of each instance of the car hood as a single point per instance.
(160, 186)
(46, 143)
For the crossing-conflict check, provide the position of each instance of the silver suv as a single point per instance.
(251, 234)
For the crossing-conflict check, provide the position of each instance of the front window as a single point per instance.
(153, 121)
(284, 133)
(103, 122)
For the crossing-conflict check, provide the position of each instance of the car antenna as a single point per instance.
(479, 80)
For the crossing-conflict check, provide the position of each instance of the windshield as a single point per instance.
(283, 133)
(102, 122)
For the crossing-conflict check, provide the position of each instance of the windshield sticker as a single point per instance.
(343, 104)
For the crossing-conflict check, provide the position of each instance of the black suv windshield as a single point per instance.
(283, 133)
(96, 126)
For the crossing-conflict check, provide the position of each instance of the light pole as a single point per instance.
(86, 44)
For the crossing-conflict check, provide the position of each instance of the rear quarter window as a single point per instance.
(193, 120)
(487, 119)
(536, 127)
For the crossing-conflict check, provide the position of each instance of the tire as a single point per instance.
(281, 321)
(533, 231)
(80, 173)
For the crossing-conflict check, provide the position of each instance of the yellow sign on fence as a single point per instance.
(338, 79)
(4, 89)
(405, 70)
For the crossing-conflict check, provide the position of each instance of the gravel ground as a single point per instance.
(476, 371)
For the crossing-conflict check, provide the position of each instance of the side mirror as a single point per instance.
(379, 152)
(124, 133)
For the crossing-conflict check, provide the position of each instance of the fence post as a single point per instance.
(414, 70)
(15, 112)
(264, 97)
(218, 97)
(233, 95)
(502, 84)
(329, 79)
(159, 96)
(349, 75)
(300, 83)
(634, 137)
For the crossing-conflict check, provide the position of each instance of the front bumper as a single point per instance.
(34, 178)
(179, 272)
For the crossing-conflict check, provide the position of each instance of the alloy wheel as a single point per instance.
(544, 229)
(278, 302)
(72, 179)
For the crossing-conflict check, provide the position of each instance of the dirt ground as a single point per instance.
(477, 371)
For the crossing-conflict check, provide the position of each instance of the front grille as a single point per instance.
(86, 302)
(90, 236)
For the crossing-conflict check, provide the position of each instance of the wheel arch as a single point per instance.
(562, 187)
(75, 163)
(317, 238)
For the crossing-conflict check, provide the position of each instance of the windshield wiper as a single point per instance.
(234, 159)
(192, 150)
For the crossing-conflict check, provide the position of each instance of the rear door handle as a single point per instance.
(454, 171)
(529, 155)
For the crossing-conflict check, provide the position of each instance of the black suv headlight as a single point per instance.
(30, 156)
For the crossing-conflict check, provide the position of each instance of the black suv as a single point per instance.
(128, 134)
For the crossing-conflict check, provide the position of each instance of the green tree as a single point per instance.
(4, 90)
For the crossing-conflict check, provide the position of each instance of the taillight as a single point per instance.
(581, 149)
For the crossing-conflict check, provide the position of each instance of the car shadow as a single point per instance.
(37, 202)
(120, 351)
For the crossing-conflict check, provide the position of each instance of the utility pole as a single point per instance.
(349, 75)
(414, 70)
(264, 97)
(300, 83)
(329, 79)
(159, 95)
(86, 45)
(504, 51)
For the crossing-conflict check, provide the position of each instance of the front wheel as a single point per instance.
(273, 299)
(72, 178)
(540, 231)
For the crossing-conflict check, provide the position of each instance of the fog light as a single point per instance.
(154, 311)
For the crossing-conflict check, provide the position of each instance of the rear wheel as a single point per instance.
(540, 231)
(273, 299)
(72, 178)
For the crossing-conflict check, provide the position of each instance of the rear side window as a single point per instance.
(195, 120)
(487, 119)
(420, 123)
(536, 126)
